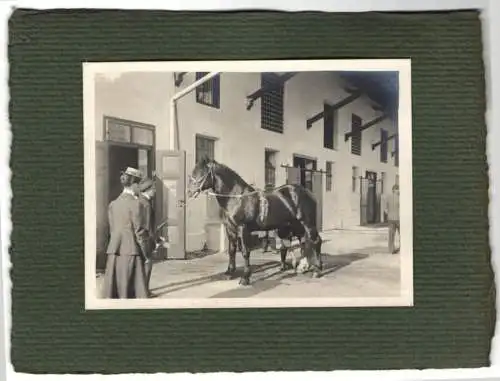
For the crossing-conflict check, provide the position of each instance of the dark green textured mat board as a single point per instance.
(452, 322)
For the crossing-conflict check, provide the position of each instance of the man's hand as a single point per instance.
(162, 242)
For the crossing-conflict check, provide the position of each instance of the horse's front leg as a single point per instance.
(231, 252)
(244, 235)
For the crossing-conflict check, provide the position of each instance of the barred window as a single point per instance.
(271, 109)
(208, 93)
(383, 145)
(329, 176)
(356, 123)
(205, 148)
(270, 169)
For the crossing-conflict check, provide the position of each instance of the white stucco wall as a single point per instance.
(143, 97)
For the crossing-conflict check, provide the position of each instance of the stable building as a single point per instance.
(336, 133)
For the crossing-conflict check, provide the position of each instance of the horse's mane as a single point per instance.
(225, 170)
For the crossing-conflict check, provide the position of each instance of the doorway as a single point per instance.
(307, 166)
(305, 173)
(371, 178)
(123, 156)
(370, 199)
(120, 158)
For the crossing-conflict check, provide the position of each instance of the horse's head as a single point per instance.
(202, 177)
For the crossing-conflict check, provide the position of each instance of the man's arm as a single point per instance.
(110, 217)
(147, 216)
(140, 227)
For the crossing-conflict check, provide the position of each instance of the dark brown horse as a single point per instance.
(289, 209)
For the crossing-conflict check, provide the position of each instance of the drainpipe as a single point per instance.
(180, 94)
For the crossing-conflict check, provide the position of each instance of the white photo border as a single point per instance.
(402, 66)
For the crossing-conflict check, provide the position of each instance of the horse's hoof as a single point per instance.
(229, 274)
(283, 267)
(244, 281)
(316, 274)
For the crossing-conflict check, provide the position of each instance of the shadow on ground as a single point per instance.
(265, 276)
(332, 263)
(177, 286)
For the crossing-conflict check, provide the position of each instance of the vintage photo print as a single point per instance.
(240, 184)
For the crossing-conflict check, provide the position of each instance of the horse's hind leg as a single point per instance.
(316, 243)
(244, 236)
(312, 245)
(284, 235)
(317, 247)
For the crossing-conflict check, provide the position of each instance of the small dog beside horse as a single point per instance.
(288, 209)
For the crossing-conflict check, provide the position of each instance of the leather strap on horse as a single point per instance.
(263, 207)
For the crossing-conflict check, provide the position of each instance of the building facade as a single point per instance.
(262, 126)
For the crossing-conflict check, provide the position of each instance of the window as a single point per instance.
(329, 130)
(270, 169)
(329, 176)
(383, 145)
(208, 93)
(396, 151)
(355, 175)
(383, 182)
(356, 135)
(271, 105)
(128, 131)
(205, 147)
(309, 168)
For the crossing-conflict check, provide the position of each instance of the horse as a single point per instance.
(288, 209)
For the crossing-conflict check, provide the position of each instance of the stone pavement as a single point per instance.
(356, 264)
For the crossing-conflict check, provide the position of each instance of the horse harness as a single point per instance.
(263, 203)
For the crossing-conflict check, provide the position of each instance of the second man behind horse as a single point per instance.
(146, 192)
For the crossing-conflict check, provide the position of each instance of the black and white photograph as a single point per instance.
(247, 184)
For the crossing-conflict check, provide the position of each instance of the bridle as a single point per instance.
(199, 183)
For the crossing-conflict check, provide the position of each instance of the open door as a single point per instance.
(102, 202)
(171, 192)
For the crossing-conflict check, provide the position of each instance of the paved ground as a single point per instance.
(356, 263)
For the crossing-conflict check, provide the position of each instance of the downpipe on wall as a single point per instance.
(173, 107)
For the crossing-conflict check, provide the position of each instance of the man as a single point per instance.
(125, 275)
(392, 210)
(146, 191)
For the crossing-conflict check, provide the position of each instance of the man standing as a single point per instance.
(392, 210)
(125, 276)
(146, 191)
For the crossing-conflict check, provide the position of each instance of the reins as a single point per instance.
(199, 190)
(204, 179)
